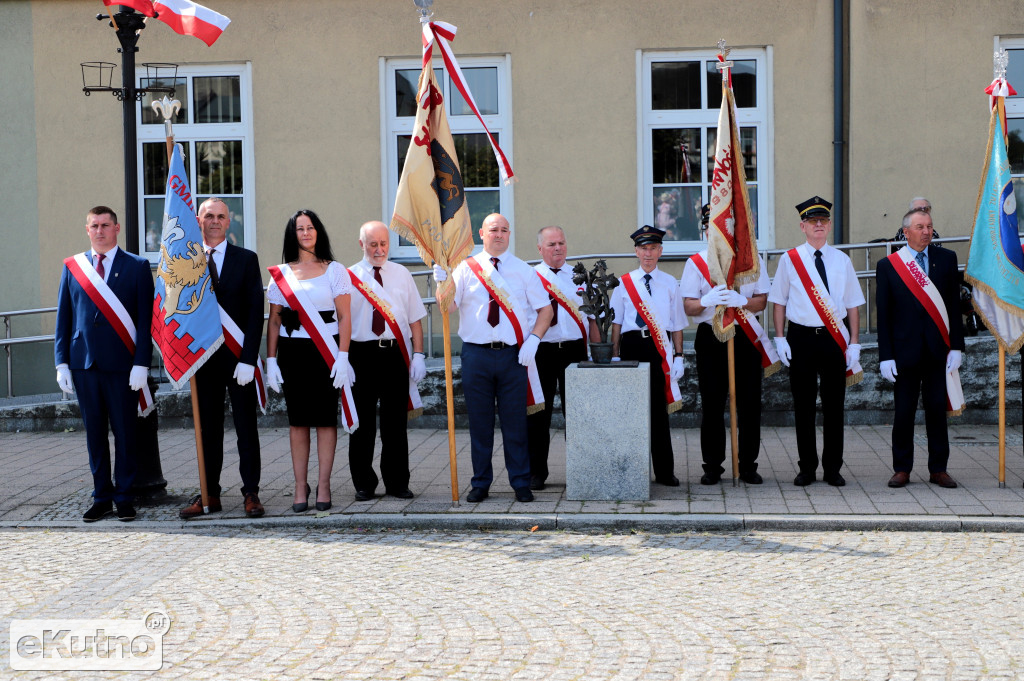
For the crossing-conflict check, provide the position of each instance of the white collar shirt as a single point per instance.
(844, 288)
(401, 291)
(108, 261)
(694, 285)
(565, 329)
(218, 253)
(473, 299)
(668, 304)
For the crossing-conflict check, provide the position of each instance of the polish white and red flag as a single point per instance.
(732, 244)
(183, 16)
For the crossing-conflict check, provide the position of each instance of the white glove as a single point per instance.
(678, 368)
(244, 373)
(616, 359)
(852, 355)
(418, 367)
(137, 378)
(274, 377)
(528, 352)
(716, 296)
(342, 372)
(64, 379)
(888, 368)
(439, 273)
(953, 360)
(782, 347)
(735, 299)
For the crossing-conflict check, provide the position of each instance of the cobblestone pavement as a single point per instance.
(46, 479)
(307, 604)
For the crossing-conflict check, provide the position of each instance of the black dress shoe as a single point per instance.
(100, 509)
(402, 493)
(364, 494)
(476, 495)
(835, 480)
(709, 479)
(670, 481)
(524, 494)
(536, 483)
(125, 511)
(751, 478)
(803, 479)
(302, 506)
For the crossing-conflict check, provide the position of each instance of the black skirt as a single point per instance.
(309, 392)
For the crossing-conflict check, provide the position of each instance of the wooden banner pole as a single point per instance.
(733, 425)
(450, 394)
(1002, 416)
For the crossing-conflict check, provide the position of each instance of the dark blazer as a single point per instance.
(905, 329)
(84, 339)
(240, 293)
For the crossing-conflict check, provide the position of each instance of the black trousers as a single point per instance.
(212, 380)
(927, 378)
(381, 377)
(713, 378)
(552, 360)
(817, 358)
(633, 346)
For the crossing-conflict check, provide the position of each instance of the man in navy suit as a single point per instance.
(94, 362)
(239, 287)
(912, 351)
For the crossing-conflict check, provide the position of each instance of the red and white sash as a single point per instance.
(234, 339)
(553, 286)
(495, 284)
(927, 293)
(823, 305)
(113, 311)
(378, 298)
(748, 323)
(645, 308)
(318, 332)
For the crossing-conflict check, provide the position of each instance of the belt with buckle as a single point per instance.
(494, 345)
(644, 333)
(379, 343)
(816, 330)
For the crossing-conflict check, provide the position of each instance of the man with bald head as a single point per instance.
(386, 352)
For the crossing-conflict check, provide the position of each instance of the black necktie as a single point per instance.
(820, 266)
(492, 311)
(213, 268)
(554, 304)
(378, 318)
(640, 320)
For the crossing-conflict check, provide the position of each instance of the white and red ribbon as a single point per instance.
(234, 339)
(553, 286)
(927, 293)
(645, 308)
(113, 311)
(318, 332)
(441, 32)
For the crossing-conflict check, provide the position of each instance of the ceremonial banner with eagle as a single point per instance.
(186, 318)
(732, 245)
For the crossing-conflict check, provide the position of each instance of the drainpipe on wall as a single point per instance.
(838, 109)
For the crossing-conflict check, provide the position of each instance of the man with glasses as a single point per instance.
(816, 289)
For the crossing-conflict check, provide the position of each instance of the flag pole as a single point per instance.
(450, 394)
(733, 426)
(1002, 416)
(168, 108)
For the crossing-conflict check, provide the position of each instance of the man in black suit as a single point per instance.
(912, 348)
(93, 359)
(239, 287)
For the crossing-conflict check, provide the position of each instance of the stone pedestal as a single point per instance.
(608, 433)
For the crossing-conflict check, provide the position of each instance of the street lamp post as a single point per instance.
(96, 76)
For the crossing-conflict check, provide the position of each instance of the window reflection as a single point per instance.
(744, 84)
(675, 85)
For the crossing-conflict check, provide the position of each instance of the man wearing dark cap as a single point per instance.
(648, 327)
(816, 289)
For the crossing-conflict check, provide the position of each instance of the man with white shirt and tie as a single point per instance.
(496, 294)
(816, 289)
(95, 359)
(238, 285)
(564, 343)
(647, 326)
(386, 303)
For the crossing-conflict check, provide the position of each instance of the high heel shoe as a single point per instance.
(322, 505)
(300, 508)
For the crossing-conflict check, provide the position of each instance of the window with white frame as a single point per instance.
(679, 102)
(214, 127)
(1015, 114)
(488, 80)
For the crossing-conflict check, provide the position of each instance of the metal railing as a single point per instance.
(866, 275)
